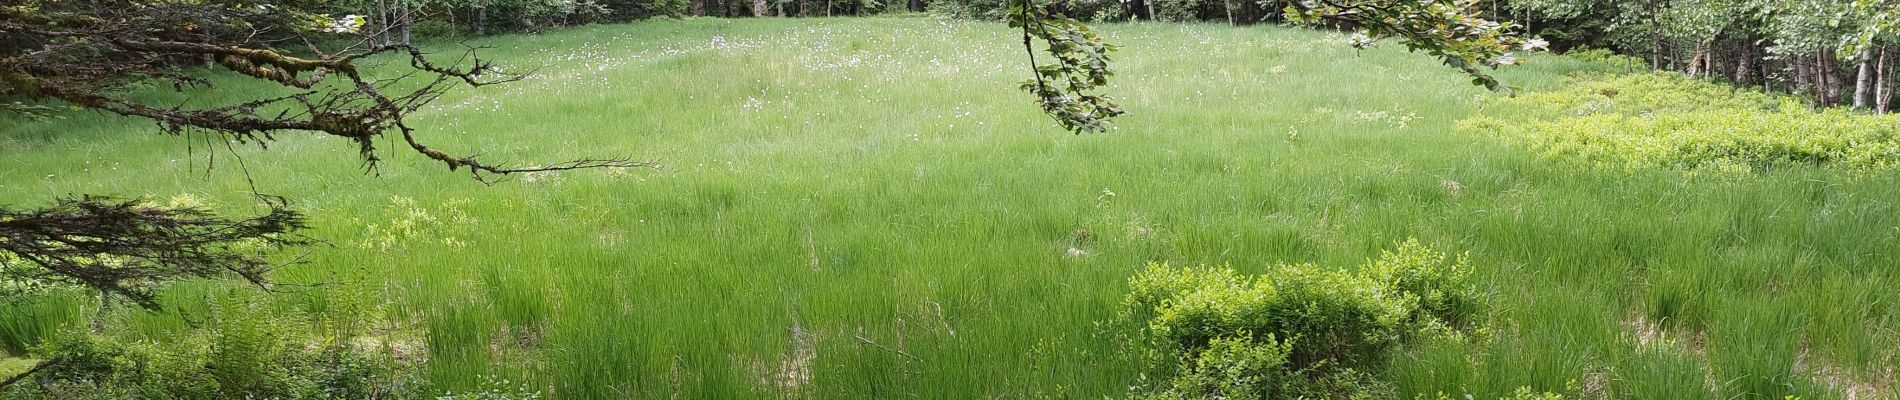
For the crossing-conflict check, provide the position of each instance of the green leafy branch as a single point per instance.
(1451, 30)
(1067, 88)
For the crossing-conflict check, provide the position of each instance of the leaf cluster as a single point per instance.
(1298, 330)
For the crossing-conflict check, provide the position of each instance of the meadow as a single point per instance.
(868, 208)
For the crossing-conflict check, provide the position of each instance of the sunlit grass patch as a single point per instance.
(869, 208)
(1665, 120)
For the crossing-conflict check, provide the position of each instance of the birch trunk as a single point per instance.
(1864, 79)
(1883, 84)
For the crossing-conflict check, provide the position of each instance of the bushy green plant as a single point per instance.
(242, 352)
(1438, 285)
(1299, 330)
(497, 389)
(1665, 120)
(1522, 393)
(1606, 57)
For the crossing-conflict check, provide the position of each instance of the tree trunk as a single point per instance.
(1655, 36)
(1832, 78)
(386, 19)
(1229, 4)
(1803, 76)
(481, 21)
(1742, 57)
(760, 8)
(1883, 84)
(408, 19)
(1697, 60)
(1864, 79)
(1140, 10)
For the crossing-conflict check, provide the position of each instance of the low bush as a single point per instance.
(1297, 331)
(1666, 120)
(243, 351)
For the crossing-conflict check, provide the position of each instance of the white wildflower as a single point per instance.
(348, 24)
(1360, 40)
(1536, 44)
(1504, 59)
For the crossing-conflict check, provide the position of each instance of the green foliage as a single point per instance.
(1067, 88)
(1522, 393)
(1879, 24)
(970, 9)
(497, 389)
(95, 367)
(1666, 120)
(1298, 330)
(1237, 367)
(244, 352)
(1606, 57)
(1796, 28)
(1454, 31)
(1439, 286)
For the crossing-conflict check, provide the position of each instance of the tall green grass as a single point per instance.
(867, 208)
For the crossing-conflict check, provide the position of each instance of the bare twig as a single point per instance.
(899, 352)
(36, 368)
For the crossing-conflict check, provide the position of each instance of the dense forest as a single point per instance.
(1834, 52)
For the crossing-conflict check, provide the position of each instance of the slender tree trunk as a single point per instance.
(1820, 78)
(386, 16)
(408, 19)
(1696, 61)
(1864, 79)
(1229, 4)
(1803, 75)
(1883, 85)
(1767, 80)
(1833, 78)
(1655, 36)
(481, 21)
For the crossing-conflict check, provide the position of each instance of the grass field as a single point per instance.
(868, 208)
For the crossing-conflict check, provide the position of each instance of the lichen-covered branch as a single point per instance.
(126, 247)
(88, 53)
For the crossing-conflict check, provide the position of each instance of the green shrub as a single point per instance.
(1297, 331)
(244, 351)
(1607, 57)
(96, 367)
(1665, 120)
(1438, 285)
(1234, 368)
